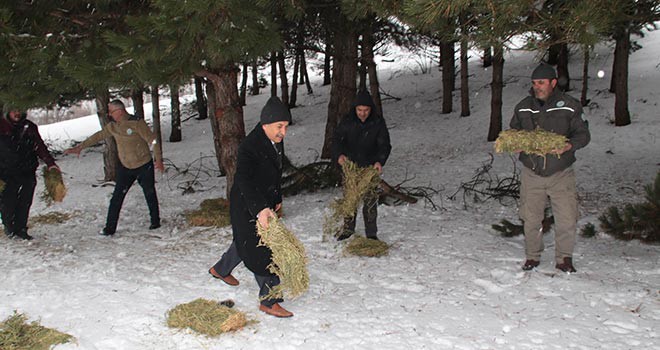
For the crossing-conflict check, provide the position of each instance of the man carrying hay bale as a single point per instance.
(256, 195)
(21, 147)
(362, 137)
(550, 175)
(133, 138)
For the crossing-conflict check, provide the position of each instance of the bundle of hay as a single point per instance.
(55, 190)
(212, 213)
(2, 186)
(16, 334)
(538, 141)
(289, 261)
(206, 317)
(358, 182)
(362, 246)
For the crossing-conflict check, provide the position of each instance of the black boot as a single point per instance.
(22, 234)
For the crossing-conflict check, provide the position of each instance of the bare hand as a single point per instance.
(342, 159)
(566, 148)
(74, 150)
(159, 165)
(378, 167)
(278, 209)
(54, 166)
(263, 217)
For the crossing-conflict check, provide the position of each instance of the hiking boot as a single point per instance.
(275, 310)
(373, 236)
(344, 235)
(154, 226)
(567, 265)
(107, 232)
(229, 279)
(22, 235)
(530, 264)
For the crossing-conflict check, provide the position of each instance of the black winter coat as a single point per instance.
(21, 147)
(363, 143)
(256, 187)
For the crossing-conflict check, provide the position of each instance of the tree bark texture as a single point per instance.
(585, 76)
(138, 102)
(175, 133)
(564, 78)
(201, 104)
(447, 59)
(465, 89)
(370, 65)
(110, 154)
(244, 78)
(303, 73)
(273, 74)
(497, 85)
(255, 79)
(488, 57)
(155, 116)
(281, 60)
(294, 85)
(217, 145)
(621, 54)
(327, 63)
(344, 71)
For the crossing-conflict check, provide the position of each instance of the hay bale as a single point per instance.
(206, 317)
(54, 186)
(51, 218)
(16, 334)
(362, 246)
(213, 212)
(358, 183)
(539, 142)
(289, 261)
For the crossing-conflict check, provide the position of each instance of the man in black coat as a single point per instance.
(256, 195)
(21, 147)
(362, 137)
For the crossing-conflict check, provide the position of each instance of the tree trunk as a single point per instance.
(621, 54)
(294, 85)
(488, 57)
(585, 76)
(370, 65)
(273, 74)
(465, 90)
(497, 86)
(447, 60)
(344, 71)
(201, 104)
(303, 73)
(175, 133)
(362, 71)
(553, 53)
(255, 79)
(564, 79)
(303, 67)
(244, 78)
(217, 145)
(229, 116)
(327, 63)
(155, 116)
(138, 102)
(281, 60)
(110, 154)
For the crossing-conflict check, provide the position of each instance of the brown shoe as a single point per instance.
(229, 279)
(567, 265)
(275, 310)
(530, 264)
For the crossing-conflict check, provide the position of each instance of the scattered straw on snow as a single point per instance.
(289, 261)
(16, 334)
(206, 317)
(362, 246)
(212, 213)
(51, 218)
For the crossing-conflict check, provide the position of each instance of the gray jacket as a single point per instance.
(561, 114)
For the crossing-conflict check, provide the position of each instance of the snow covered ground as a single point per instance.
(449, 282)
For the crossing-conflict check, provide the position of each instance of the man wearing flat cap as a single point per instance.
(256, 195)
(551, 176)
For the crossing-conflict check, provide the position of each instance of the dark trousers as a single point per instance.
(125, 179)
(16, 202)
(230, 260)
(370, 214)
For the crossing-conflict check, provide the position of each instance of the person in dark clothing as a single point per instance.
(133, 137)
(362, 137)
(551, 176)
(21, 147)
(256, 195)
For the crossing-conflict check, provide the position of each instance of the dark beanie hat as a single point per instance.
(544, 71)
(275, 111)
(363, 98)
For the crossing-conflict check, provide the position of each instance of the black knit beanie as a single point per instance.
(544, 71)
(363, 98)
(275, 111)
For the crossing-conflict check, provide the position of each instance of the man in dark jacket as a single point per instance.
(362, 138)
(256, 195)
(20, 147)
(553, 176)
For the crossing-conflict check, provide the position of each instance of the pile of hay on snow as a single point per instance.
(206, 317)
(538, 141)
(362, 246)
(289, 261)
(211, 213)
(51, 218)
(16, 334)
(358, 183)
(54, 186)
